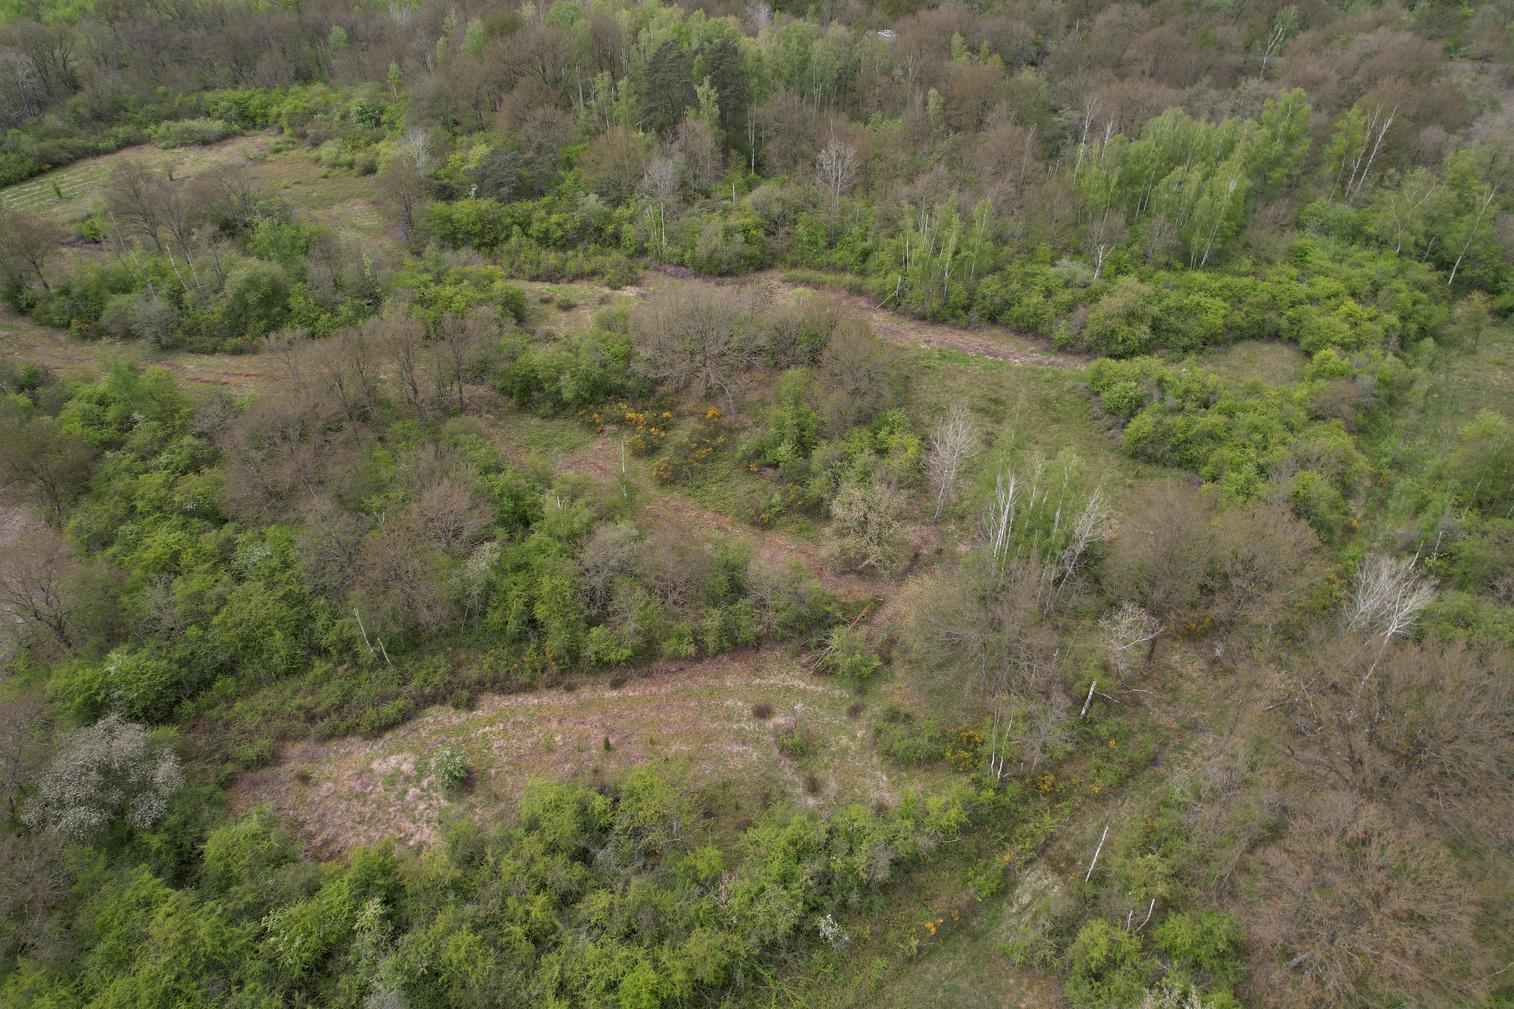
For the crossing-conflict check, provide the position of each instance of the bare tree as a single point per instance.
(609, 553)
(330, 540)
(1046, 728)
(1357, 908)
(1163, 549)
(1428, 729)
(27, 245)
(1123, 631)
(451, 515)
(42, 463)
(33, 883)
(1387, 594)
(412, 362)
(402, 185)
(348, 365)
(35, 569)
(459, 340)
(695, 339)
(23, 728)
(953, 441)
(396, 587)
(135, 197)
(1266, 559)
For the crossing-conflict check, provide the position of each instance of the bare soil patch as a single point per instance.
(695, 716)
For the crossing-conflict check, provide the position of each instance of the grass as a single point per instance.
(1269, 362)
(1413, 440)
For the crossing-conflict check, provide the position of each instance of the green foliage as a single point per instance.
(1482, 463)
(1202, 946)
(850, 654)
(1234, 436)
(1105, 967)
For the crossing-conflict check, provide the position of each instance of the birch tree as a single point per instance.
(1387, 594)
(835, 167)
(1125, 630)
(953, 441)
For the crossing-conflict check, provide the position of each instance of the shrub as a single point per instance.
(191, 132)
(1205, 945)
(793, 742)
(1105, 969)
(849, 654)
(451, 768)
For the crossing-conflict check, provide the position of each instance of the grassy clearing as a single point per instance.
(23, 341)
(72, 194)
(701, 719)
(1270, 362)
(1459, 381)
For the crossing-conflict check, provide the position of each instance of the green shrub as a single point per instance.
(451, 768)
(191, 132)
(850, 655)
(1203, 945)
(1105, 968)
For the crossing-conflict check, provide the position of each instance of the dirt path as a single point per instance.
(998, 343)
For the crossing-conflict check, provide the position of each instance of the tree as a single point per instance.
(695, 339)
(1482, 464)
(668, 88)
(27, 245)
(47, 464)
(403, 186)
(102, 774)
(613, 163)
(36, 566)
(835, 167)
(1284, 27)
(865, 530)
(1473, 180)
(1124, 630)
(858, 375)
(659, 184)
(953, 441)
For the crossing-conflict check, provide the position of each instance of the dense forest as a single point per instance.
(756, 505)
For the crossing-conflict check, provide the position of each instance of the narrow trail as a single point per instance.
(998, 343)
(23, 340)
